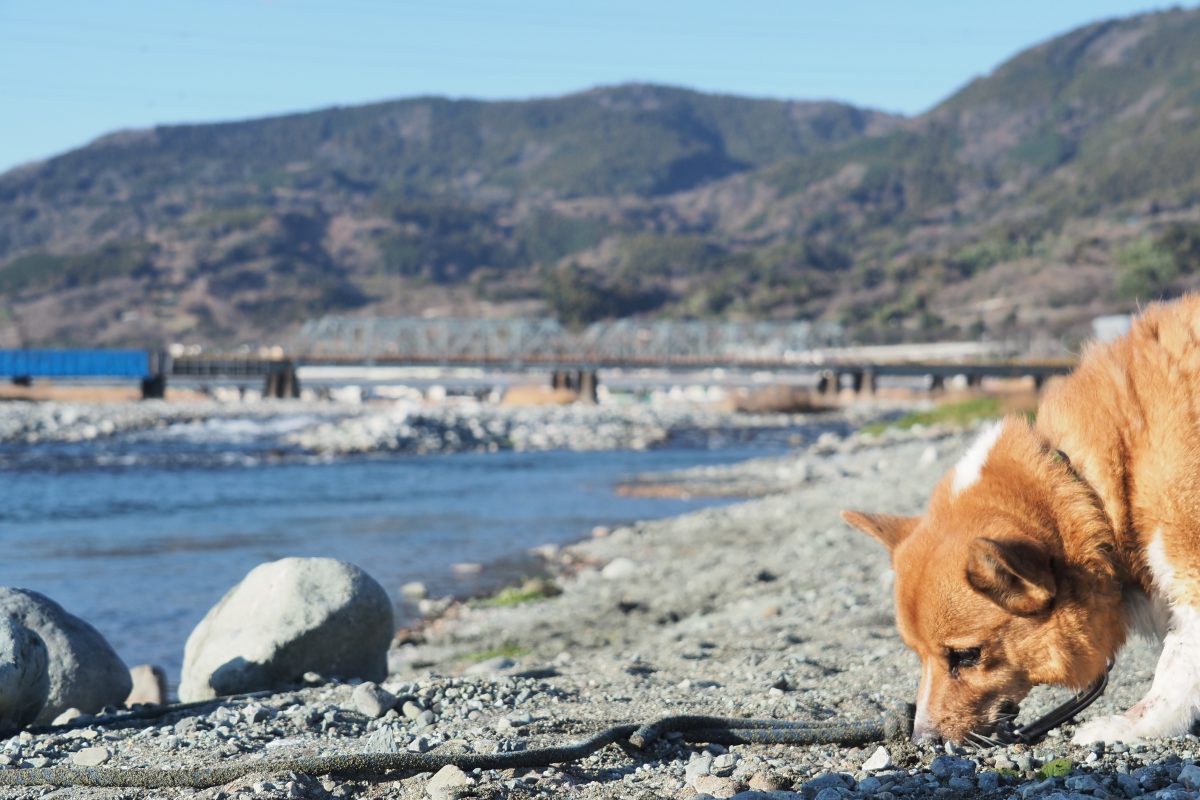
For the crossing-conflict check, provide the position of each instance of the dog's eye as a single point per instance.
(959, 659)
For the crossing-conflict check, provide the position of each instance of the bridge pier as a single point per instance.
(154, 387)
(863, 380)
(828, 383)
(281, 382)
(584, 382)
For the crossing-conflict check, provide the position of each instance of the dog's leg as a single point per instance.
(1172, 703)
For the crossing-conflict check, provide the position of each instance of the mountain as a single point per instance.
(1064, 184)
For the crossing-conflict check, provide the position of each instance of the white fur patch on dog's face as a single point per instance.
(970, 466)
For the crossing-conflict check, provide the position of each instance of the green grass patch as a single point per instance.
(1057, 768)
(509, 650)
(957, 414)
(530, 591)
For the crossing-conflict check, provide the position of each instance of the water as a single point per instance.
(141, 534)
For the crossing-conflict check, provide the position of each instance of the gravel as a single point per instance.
(767, 608)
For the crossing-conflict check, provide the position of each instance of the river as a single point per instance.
(141, 533)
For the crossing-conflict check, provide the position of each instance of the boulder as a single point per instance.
(284, 619)
(84, 671)
(24, 678)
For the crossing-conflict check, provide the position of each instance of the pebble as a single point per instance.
(372, 700)
(91, 756)
(1189, 776)
(697, 768)
(449, 781)
(618, 569)
(879, 760)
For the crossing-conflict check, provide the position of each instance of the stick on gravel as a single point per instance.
(376, 765)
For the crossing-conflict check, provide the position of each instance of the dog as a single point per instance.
(1048, 544)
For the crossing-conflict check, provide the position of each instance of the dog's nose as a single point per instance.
(924, 732)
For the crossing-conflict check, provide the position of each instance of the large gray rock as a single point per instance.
(24, 679)
(84, 671)
(284, 619)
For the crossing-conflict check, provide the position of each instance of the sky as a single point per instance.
(72, 70)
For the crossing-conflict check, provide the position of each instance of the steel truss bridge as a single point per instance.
(524, 342)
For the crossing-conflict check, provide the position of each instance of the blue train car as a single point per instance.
(75, 364)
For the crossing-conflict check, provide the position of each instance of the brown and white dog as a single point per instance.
(1047, 545)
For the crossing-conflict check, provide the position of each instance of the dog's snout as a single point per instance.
(924, 732)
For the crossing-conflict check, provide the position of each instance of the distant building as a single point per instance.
(1110, 327)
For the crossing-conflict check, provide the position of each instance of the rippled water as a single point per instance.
(142, 533)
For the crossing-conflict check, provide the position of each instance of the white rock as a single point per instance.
(450, 781)
(620, 567)
(414, 590)
(697, 768)
(91, 756)
(285, 619)
(880, 759)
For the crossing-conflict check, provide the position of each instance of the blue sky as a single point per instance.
(73, 70)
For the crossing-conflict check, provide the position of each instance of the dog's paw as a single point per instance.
(1116, 728)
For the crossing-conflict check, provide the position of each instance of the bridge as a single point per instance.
(545, 343)
(573, 357)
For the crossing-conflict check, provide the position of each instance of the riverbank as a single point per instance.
(767, 608)
(329, 428)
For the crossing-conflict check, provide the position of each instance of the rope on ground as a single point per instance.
(723, 730)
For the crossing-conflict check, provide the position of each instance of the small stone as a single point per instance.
(91, 756)
(1189, 776)
(383, 740)
(421, 744)
(828, 793)
(68, 716)
(450, 781)
(414, 590)
(149, 685)
(619, 568)
(1083, 783)
(371, 700)
(723, 764)
(988, 781)
(254, 714)
(698, 768)
(411, 709)
(1128, 784)
(880, 759)
(948, 766)
(823, 782)
(961, 784)
(766, 782)
(716, 786)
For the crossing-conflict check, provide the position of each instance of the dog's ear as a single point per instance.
(1015, 574)
(887, 528)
